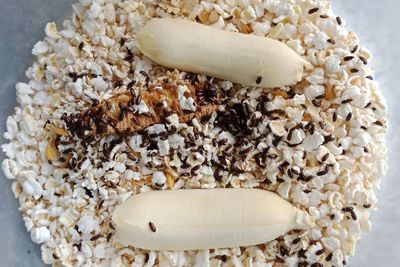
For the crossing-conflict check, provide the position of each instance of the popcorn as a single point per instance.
(159, 178)
(32, 187)
(248, 15)
(277, 128)
(87, 224)
(40, 235)
(313, 91)
(99, 84)
(312, 142)
(40, 48)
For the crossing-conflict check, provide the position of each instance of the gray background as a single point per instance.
(377, 23)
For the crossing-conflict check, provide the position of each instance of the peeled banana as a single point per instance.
(192, 219)
(241, 58)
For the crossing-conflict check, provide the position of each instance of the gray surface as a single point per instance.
(21, 26)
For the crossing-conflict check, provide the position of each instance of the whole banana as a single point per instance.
(191, 219)
(241, 58)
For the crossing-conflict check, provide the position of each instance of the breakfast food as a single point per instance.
(246, 59)
(195, 219)
(319, 144)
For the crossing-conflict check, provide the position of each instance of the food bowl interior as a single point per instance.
(376, 22)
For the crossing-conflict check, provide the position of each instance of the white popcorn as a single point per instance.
(320, 40)
(77, 87)
(248, 15)
(28, 124)
(296, 46)
(99, 84)
(277, 128)
(32, 187)
(331, 243)
(23, 89)
(261, 29)
(87, 224)
(317, 77)
(9, 168)
(159, 178)
(283, 189)
(332, 63)
(51, 30)
(40, 235)
(312, 142)
(41, 98)
(99, 251)
(40, 48)
(313, 91)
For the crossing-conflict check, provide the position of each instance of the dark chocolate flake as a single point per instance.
(259, 79)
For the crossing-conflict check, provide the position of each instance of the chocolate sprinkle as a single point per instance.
(329, 257)
(339, 20)
(355, 48)
(364, 60)
(347, 101)
(295, 241)
(349, 116)
(259, 79)
(348, 58)
(334, 117)
(94, 238)
(313, 10)
(325, 157)
(353, 70)
(152, 227)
